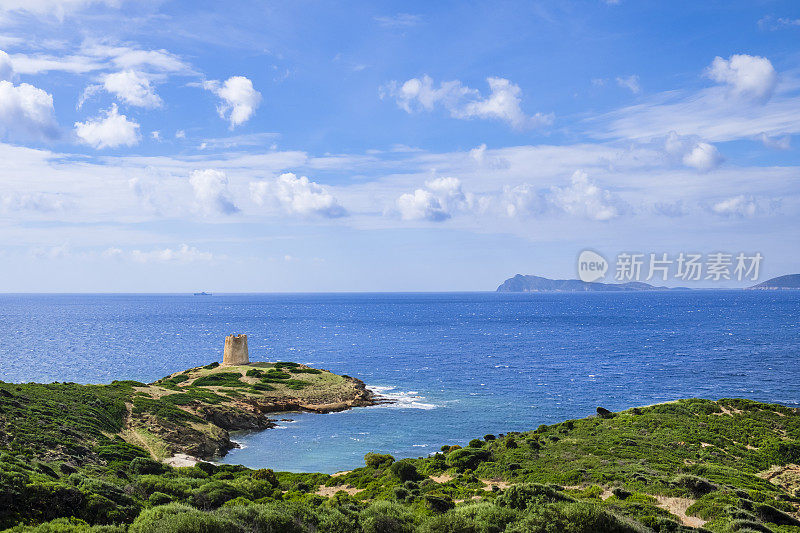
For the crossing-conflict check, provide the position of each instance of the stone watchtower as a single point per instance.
(236, 350)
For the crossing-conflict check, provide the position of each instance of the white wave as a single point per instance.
(401, 399)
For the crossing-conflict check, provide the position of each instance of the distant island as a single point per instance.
(522, 283)
(527, 283)
(789, 281)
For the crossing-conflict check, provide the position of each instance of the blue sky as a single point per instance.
(324, 146)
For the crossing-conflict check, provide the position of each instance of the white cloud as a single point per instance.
(239, 99)
(133, 88)
(211, 192)
(297, 196)
(92, 57)
(631, 83)
(53, 252)
(771, 23)
(751, 99)
(523, 200)
(37, 202)
(400, 20)
(180, 134)
(439, 200)
(26, 111)
(504, 102)
(738, 206)
(583, 198)
(6, 67)
(155, 135)
(776, 143)
(691, 152)
(110, 132)
(703, 157)
(129, 58)
(57, 8)
(746, 75)
(183, 254)
(421, 205)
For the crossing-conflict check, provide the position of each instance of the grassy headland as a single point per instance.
(70, 462)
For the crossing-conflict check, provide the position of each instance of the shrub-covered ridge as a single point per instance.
(723, 466)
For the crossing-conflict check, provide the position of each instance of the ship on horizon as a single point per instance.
(203, 293)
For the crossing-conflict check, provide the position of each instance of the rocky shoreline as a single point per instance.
(201, 430)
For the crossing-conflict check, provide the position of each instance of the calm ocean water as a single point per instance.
(460, 365)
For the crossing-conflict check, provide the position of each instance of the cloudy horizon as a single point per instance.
(161, 146)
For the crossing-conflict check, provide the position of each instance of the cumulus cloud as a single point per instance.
(746, 75)
(109, 131)
(703, 157)
(439, 200)
(523, 200)
(737, 206)
(6, 67)
(183, 254)
(133, 88)
(26, 111)
(211, 192)
(585, 199)
(297, 196)
(503, 103)
(631, 83)
(693, 153)
(238, 99)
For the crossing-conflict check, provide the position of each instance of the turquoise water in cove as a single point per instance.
(459, 365)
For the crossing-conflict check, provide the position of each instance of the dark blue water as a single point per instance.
(461, 365)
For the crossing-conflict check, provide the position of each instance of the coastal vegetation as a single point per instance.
(71, 459)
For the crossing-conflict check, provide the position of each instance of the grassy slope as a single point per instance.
(706, 460)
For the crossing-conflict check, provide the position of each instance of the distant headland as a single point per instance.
(790, 281)
(528, 283)
(522, 283)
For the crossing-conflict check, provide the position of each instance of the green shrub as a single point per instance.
(405, 471)
(602, 412)
(254, 373)
(159, 498)
(145, 465)
(439, 503)
(306, 371)
(522, 496)
(575, 518)
(697, 486)
(178, 518)
(378, 460)
(386, 517)
(266, 474)
(464, 458)
(473, 518)
(296, 384)
(747, 526)
(220, 379)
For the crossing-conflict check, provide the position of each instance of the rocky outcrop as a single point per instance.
(201, 429)
(234, 419)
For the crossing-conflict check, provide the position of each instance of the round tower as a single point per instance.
(236, 350)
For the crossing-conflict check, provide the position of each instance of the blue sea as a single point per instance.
(459, 365)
